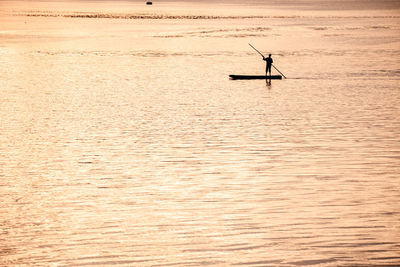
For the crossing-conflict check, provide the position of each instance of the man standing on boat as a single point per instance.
(269, 64)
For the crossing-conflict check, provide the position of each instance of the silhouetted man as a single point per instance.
(269, 64)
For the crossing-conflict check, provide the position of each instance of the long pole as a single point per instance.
(257, 50)
(264, 57)
(279, 71)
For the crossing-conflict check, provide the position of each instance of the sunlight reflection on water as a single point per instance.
(119, 147)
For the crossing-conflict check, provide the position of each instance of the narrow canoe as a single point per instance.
(255, 77)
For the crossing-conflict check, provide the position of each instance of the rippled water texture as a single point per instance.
(123, 142)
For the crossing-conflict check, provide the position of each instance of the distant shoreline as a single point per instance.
(162, 16)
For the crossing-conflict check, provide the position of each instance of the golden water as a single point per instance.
(123, 142)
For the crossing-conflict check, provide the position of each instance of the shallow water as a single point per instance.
(123, 142)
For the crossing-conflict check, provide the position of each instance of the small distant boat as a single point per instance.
(255, 77)
(149, 3)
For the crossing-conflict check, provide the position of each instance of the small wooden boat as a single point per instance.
(255, 77)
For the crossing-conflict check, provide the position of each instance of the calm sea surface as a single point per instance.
(123, 142)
